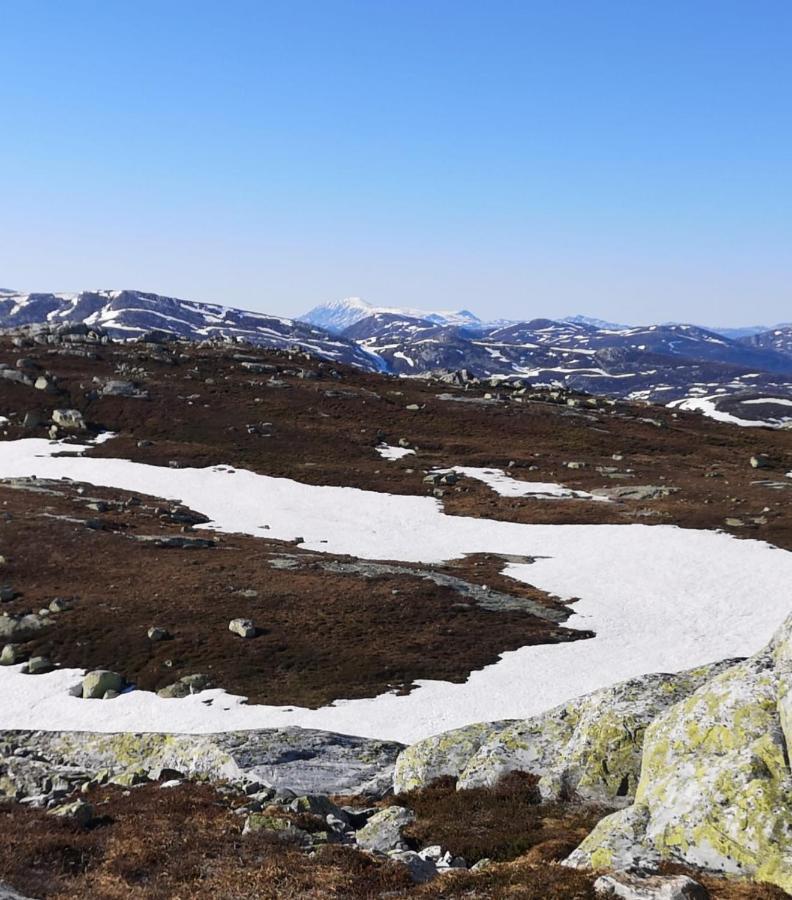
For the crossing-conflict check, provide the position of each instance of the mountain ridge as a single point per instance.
(659, 363)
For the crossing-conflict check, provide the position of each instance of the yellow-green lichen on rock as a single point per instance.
(441, 754)
(590, 747)
(304, 760)
(715, 789)
(192, 754)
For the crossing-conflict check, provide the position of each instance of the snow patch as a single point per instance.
(659, 598)
(507, 486)
(388, 452)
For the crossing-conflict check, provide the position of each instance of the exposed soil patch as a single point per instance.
(323, 634)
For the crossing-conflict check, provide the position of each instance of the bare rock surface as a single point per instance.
(302, 760)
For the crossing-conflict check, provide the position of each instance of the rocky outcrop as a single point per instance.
(715, 789)
(301, 760)
(442, 754)
(589, 748)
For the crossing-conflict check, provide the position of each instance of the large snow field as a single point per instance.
(659, 598)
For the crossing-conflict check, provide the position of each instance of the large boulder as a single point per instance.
(589, 748)
(442, 754)
(715, 789)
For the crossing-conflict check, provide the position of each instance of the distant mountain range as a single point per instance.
(338, 315)
(131, 314)
(661, 363)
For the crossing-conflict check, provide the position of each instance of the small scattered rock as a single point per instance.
(421, 870)
(70, 419)
(383, 831)
(11, 654)
(243, 627)
(97, 684)
(155, 633)
(38, 665)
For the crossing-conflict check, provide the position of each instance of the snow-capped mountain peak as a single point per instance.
(338, 315)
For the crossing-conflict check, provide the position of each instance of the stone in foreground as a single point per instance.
(715, 783)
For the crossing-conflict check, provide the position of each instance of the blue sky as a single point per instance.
(631, 160)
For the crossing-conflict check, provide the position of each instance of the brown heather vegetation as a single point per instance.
(186, 843)
(499, 823)
(323, 635)
(323, 430)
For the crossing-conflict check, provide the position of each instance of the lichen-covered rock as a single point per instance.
(715, 789)
(383, 831)
(299, 759)
(442, 754)
(588, 748)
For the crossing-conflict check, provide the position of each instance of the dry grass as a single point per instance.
(499, 823)
(172, 845)
(186, 843)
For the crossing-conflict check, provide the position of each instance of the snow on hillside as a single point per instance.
(746, 411)
(338, 315)
(131, 314)
(659, 598)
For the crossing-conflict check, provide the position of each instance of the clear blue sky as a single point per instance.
(631, 159)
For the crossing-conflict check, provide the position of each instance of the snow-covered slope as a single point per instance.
(130, 314)
(338, 315)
